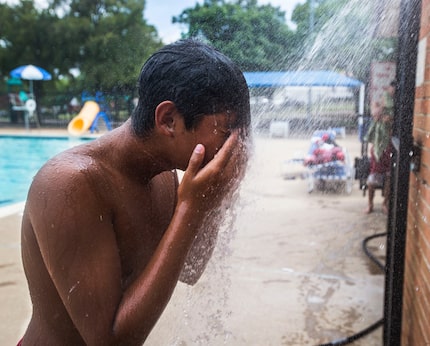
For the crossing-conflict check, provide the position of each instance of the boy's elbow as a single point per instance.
(191, 274)
(189, 280)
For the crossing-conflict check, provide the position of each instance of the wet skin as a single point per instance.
(106, 229)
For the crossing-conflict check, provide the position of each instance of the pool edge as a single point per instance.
(12, 209)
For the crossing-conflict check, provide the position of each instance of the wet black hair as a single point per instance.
(199, 79)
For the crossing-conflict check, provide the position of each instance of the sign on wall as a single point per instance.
(382, 74)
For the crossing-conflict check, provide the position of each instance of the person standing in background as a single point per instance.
(379, 137)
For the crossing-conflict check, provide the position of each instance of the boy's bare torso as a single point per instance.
(136, 214)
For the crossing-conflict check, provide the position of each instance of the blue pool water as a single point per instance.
(21, 158)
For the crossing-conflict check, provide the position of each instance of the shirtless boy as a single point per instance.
(108, 230)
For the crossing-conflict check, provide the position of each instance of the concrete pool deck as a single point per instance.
(289, 271)
(40, 132)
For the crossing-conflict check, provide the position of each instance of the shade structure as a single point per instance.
(31, 73)
(299, 78)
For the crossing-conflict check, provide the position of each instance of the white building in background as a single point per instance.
(300, 95)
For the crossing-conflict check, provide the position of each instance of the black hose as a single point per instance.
(369, 254)
(356, 336)
(376, 325)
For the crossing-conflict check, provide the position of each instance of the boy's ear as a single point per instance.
(166, 116)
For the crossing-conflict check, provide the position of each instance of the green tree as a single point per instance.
(256, 37)
(311, 18)
(343, 37)
(323, 11)
(23, 35)
(25, 39)
(109, 41)
(106, 40)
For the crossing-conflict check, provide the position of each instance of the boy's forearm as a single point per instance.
(204, 244)
(144, 301)
(201, 250)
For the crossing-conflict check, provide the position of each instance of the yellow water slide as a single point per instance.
(83, 121)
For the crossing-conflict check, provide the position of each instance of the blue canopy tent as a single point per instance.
(308, 78)
(300, 78)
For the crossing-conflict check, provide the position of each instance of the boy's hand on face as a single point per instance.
(204, 188)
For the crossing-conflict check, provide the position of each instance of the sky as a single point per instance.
(159, 13)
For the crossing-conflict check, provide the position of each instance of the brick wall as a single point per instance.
(416, 293)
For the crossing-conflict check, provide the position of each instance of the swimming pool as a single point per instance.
(20, 159)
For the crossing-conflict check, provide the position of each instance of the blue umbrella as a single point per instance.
(31, 73)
